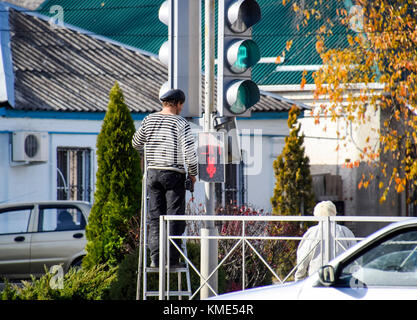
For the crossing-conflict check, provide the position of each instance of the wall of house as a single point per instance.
(36, 181)
(335, 147)
(330, 153)
(262, 141)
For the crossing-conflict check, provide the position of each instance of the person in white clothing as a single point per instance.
(310, 249)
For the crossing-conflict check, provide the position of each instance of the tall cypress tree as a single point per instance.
(118, 186)
(293, 195)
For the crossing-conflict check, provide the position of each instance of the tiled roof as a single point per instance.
(29, 4)
(61, 69)
(135, 22)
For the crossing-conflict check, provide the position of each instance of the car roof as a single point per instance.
(51, 202)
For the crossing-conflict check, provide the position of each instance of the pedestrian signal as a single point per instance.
(211, 157)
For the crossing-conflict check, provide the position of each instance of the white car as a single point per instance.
(36, 235)
(382, 266)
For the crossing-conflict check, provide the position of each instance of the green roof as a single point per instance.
(131, 22)
(135, 23)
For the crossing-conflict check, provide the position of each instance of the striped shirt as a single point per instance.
(168, 143)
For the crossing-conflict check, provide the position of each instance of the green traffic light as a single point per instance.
(244, 54)
(242, 57)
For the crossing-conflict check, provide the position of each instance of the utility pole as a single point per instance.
(209, 247)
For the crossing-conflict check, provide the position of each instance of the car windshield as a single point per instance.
(392, 262)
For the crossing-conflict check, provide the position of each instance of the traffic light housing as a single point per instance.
(182, 52)
(237, 54)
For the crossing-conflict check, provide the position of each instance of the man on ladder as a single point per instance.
(169, 151)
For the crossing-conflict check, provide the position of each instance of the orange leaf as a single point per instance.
(303, 83)
(319, 46)
(288, 45)
(400, 188)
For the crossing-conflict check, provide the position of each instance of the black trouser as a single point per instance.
(166, 192)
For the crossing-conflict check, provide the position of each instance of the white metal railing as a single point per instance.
(328, 225)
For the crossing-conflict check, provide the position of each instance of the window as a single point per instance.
(393, 262)
(60, 219)
(74, 174)
(14, 220)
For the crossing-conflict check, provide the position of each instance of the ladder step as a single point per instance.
(182, 269)
(171, 293)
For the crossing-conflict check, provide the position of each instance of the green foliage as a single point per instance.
(125, 285)
(78, 284)
(118, 187)
(293, 195)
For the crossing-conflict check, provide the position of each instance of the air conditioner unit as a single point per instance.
(30, 146)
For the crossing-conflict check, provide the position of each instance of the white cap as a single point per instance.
(324, 209)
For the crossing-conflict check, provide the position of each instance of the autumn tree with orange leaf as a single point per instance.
(374, 73)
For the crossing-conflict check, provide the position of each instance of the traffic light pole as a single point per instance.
(209, 247)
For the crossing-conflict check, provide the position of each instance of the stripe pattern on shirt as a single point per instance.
(168, 143)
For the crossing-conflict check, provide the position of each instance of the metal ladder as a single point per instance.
(144, 270)
(180, 292)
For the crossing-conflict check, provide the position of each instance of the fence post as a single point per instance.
(326, 240)
(243, 255)
(162, 258)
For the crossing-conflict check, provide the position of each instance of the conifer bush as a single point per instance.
(118, 187)
(293, 195)
(77, 284)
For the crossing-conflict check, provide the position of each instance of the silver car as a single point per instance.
(382, 266)
(35, 235)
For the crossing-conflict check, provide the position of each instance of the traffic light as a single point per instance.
(211, 157)
(237, 53)
(181, 53)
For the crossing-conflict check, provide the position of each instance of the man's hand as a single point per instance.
(193, 179)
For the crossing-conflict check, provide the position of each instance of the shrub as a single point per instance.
(118, 187)
(125, 285)
(78, 284)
